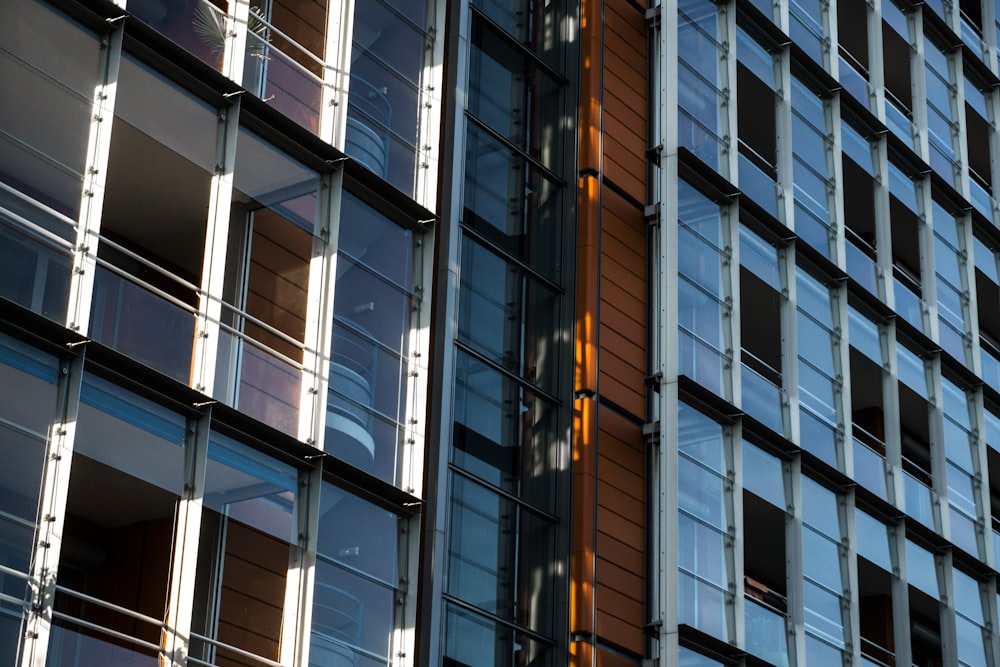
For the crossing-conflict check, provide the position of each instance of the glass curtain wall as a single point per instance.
(868, 382)
(979, 135)
(28, 406)
(705, 524)
(704, 290)
(952, 284)
(766, 514)
(906, 226)
(826, 588)
(762, 292)
(812, 169)
(758, 77)
(126, 479)
(876, 563)
(987, 296)
(860, 192)
(43, 150)
(942, 113)
(509, 356)
(164, 152)
(820, 370)
(702, 83)
(962, 468)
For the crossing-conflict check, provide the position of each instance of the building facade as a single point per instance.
(499, 332)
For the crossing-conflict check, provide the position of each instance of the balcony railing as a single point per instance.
(873, 655)
(766, 634)
(860, 265)
(854, 78)
(762, 398)
(869, 462)
(919, 500)
(758, 184)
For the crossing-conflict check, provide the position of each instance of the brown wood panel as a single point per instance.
(624, 19)
(631, 256)
(622, 633)
(625, 371)
(624, 147)
(248, 641)
(588, 277)
(631, 351)
(631, 304)
(253, 590)
(625, 113)
(622, 394)
(622, 324)
(622, 276)
(625, 103)
(627, 479)
(255, 581)
(623, 581)
(623, 454)
(621, 503)
(613, 603)
(267, 551)
(584, 520)
(625, 433)
(624, 221)
(254, 616)
(619, 527)
(289, 236)
(304, 21)
(625, 178)
(626, 40)
(625, 158)
(616, 386)
(628, 557)
(619, 74)
(608, 659)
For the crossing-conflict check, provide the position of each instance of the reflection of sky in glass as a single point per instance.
(921, 571)
(873, 540)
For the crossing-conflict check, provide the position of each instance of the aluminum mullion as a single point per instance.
(52, 504)
(94, 186)
(211, 292)
(183, 574)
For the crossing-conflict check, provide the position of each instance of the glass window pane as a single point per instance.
(27, 409)
(495, 548)
(153, 226)
(507, 316)
(248, 543)
(387, 60)
(759, 257)
(471, 639)
(921, 569)
(819, 508)
(44, 135)
(126, 479)
(197, 26)
(504, 433)
(821, 559)
(762, 475)
(700, 438)
(700, 493)
(968, 600)
(873, 540)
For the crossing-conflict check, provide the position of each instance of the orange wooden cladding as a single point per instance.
(252, 593)
(609, 522)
